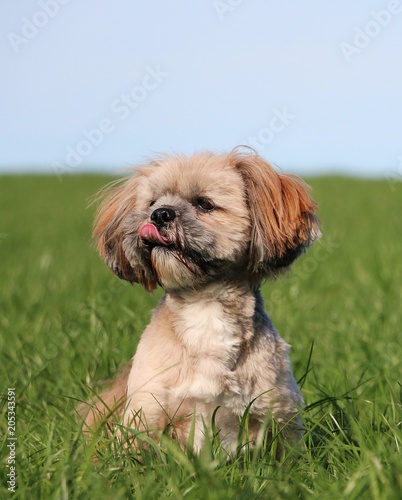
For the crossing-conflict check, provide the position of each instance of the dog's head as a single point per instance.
(182, 222)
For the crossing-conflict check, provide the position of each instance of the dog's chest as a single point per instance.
(206, 330)
(211, 340)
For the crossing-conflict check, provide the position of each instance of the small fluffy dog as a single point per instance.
(209, 229)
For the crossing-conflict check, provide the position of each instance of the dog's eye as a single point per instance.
(152, 203)
(203, 204)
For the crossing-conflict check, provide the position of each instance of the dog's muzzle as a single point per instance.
(150, 233)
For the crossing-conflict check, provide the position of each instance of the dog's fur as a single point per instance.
(208, 229)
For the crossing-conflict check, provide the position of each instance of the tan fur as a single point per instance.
(282, 211)
(209, 343)
(109, 404)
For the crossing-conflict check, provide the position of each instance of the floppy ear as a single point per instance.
(108, 227)
(282, 215)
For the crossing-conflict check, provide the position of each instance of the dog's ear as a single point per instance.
(108, 227)
(109, 231)
(282, 216)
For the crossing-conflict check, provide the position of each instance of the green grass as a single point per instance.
(67, 323)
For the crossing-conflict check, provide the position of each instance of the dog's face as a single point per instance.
(185, 221)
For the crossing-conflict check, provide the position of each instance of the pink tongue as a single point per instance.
(149, 232)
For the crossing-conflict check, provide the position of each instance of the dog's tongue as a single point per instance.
(150, 233)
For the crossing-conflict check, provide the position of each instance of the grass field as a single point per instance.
(67, 323)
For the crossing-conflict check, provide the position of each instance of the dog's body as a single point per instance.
(208, 229)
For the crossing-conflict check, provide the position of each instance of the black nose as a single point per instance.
(162, 216)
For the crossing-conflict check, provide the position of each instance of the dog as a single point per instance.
(209, 229)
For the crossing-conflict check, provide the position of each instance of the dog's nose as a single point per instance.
(162, 216)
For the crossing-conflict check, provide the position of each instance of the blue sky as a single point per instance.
(314, 86)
